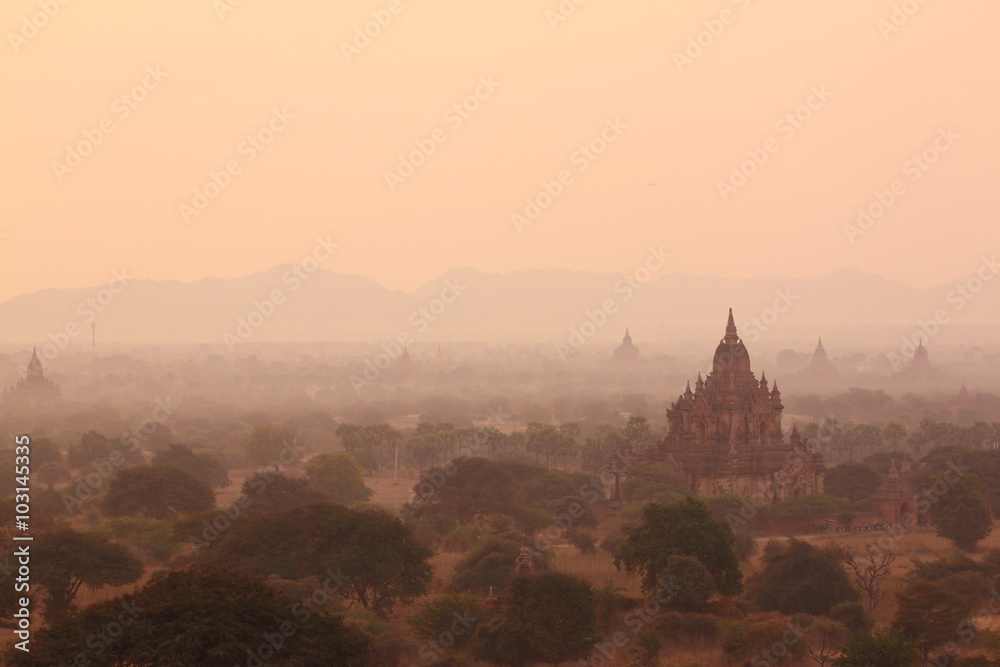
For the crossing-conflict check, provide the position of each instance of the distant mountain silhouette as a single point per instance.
(529, 306)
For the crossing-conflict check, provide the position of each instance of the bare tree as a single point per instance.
(870, 569)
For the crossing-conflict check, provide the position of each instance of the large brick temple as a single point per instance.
(725, 436)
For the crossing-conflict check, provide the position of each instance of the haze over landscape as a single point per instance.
(449, 333)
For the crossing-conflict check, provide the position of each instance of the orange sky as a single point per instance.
(198, 81)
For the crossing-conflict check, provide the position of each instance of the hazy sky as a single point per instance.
(182, 84)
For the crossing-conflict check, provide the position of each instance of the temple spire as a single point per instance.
(731, 327)
(35, 364)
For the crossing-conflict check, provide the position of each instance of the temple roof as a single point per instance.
(731, 356)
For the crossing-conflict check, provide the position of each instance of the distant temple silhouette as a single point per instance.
(626, 353)
(726, 437)
(920, 368)
(820, 368)
(963, 401)
(34, 388)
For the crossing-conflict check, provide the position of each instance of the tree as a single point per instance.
(266, 443)
(92, 446)
(546, 618)
(275, 492)
(378, 561)
(878, 650)
(870, 570)
(43, 452)
(338, 476)
(800, 578)
(852, 615)
(491, 564)
(851, 480)
(430, 442)
(824, 638)
(683, 529)
(894, 433)
(962, 514)
(198, 617)
(437, 618)
(930, 613)
(205, 466)
(690, 583)
(468, 487)
(65, 560)
(158, 492)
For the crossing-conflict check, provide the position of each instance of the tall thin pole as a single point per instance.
(395, 465)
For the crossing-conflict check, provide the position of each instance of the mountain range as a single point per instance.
(283, 304)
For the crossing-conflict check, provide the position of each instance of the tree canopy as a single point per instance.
(65, 560)
(799, 578)
(158, 492)
(266, 443)
(930, 613)
(467, 487)
(338, 476)
(276, 492)
(197, 617)
(891, 649)
(204, 466)
(684, 529)
(962, 514)
(379, 560)
(545, 618)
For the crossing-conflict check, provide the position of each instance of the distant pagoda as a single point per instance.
(34, 388)
(820, 368)
(627, 353)
(920, 368)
